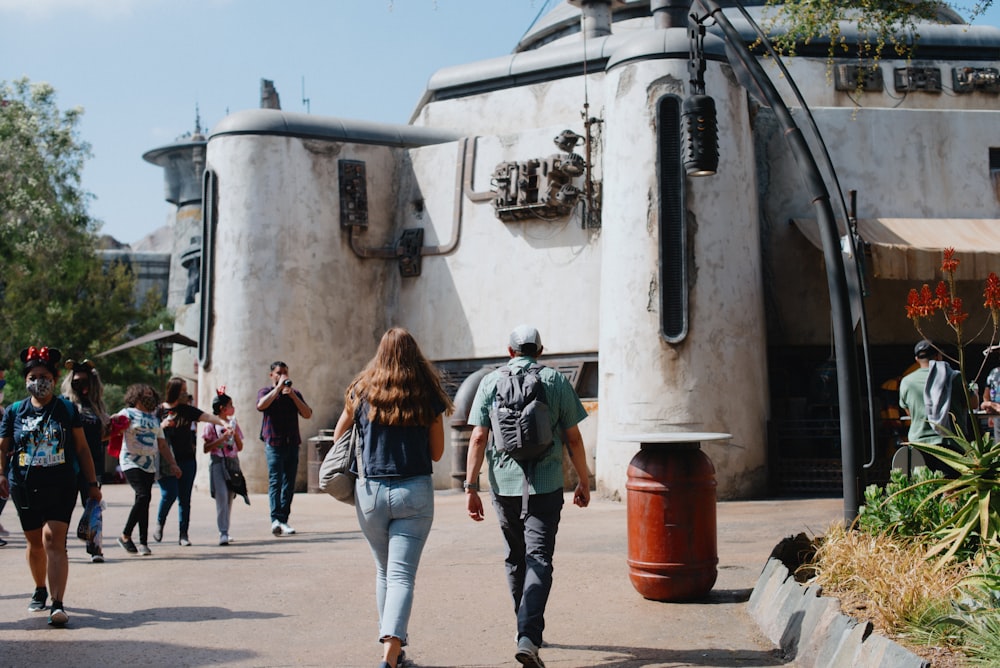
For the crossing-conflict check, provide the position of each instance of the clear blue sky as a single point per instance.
(140, 67)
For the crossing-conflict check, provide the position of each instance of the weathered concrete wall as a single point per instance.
(707, 382)
(286, 284)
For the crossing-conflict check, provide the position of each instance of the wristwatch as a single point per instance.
(93, 484)
(466, 485)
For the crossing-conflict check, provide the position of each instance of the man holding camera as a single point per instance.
(279, 429)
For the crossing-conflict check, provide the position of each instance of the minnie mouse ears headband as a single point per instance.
(86, 366)
(40, 356)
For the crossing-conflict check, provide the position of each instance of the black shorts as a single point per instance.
(44, 495)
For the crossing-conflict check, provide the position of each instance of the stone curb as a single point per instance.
(812, 631)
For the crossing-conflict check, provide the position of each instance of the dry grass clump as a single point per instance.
(887, 582)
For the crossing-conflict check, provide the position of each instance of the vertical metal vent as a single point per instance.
(209, 223)
(672, 227)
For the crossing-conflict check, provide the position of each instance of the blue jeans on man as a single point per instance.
(531, 543)
(282, 467)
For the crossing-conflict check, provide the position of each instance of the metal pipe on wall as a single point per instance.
(669, 13)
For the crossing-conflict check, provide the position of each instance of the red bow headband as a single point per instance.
(33, 356)
(221, 390)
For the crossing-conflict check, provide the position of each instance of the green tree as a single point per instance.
(882, 24)
(54, 289)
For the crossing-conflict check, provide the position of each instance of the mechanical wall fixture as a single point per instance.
(539, 188)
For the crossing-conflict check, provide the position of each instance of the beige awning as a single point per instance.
(910, 248)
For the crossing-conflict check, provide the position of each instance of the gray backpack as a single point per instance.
(520, 416)
(520, 421)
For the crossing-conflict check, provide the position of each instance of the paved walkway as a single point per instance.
(308, 599)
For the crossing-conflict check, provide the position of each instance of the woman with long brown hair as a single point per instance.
(177, 418)
(397, 403)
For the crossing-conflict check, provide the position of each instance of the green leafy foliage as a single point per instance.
(975, 523)
(54, 289)
(880, 23)
(883, 27)
(904, 507)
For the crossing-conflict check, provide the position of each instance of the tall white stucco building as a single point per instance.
(547, 186)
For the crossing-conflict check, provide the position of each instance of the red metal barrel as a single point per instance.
(672, 553)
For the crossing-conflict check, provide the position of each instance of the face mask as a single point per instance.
(2, 383)
(40, 388)
(80, 386)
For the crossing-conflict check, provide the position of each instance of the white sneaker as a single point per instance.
(58, 617)
(276, 528)
(285, 529)
(527, 653)
(223, 539)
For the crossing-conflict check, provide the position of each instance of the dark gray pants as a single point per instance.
(530, 546)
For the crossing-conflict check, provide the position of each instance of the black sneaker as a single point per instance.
(128, 545)
(37, 603)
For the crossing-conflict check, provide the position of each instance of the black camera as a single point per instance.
(287, 383)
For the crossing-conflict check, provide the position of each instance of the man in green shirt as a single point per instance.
(531, 535)
(912, 400)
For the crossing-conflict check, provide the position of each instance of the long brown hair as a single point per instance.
(173, 392)
(399, 384)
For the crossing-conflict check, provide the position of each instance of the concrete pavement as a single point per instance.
(308, 599)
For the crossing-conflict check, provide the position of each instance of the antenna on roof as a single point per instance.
(305, 100)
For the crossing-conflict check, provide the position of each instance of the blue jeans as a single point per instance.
(531, 543)
(282, 467)
(395, 516)
(172, 489)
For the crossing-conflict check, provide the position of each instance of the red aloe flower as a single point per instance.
(949, 265)
(954, 314)
(943, 300)
(991, 298)
(920, 304)
(991, 293)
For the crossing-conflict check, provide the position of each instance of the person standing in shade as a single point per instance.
(82, 385)
(530, 533)
(921, 400)
(281, 406)
(177, 419)
(222, 443)
(42, 446)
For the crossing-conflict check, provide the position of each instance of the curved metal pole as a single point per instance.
(849, 216)
(840, 307)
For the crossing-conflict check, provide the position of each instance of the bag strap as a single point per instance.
(358, 443)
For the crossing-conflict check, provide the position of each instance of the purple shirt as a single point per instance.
(280, 424)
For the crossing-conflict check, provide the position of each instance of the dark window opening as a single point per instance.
(672, 223)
